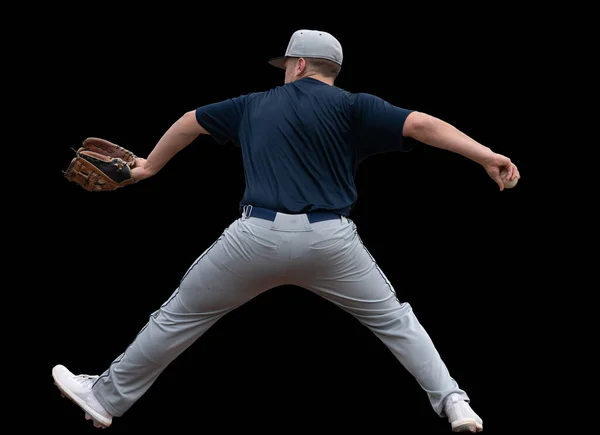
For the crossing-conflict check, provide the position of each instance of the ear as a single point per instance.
(300, 66)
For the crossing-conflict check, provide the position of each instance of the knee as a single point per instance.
(400, 317)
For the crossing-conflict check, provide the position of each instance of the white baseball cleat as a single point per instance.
(78, 389)
(461, 416)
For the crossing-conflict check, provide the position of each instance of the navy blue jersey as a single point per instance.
(302, 142)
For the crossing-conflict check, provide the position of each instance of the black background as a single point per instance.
(449, 241)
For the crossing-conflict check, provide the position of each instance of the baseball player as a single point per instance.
(301, 143)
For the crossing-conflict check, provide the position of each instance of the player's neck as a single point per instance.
(319, 77)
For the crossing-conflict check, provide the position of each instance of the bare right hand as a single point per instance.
(496, 164)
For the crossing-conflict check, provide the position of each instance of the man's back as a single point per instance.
(302, 142)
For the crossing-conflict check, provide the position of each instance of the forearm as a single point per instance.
(440, 134)
(176, 138)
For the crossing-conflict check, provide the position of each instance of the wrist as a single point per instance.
(484, 157)
(148, 167)
(142, 169)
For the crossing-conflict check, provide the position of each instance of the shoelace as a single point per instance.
(85, 380)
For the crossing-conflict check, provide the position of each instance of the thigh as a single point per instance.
(341, 269)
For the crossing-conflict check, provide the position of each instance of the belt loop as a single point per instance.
(307, 224)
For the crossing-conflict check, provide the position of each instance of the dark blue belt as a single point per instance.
(263, 213)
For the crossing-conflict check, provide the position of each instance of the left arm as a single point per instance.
(177, 137)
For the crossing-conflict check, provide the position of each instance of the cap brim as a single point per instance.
(278, 62)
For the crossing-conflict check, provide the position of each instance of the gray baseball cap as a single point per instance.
(311, 43)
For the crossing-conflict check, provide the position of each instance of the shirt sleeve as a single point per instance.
(222, 120)
(379, 126)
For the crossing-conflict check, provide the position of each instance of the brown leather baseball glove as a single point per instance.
(100, 165)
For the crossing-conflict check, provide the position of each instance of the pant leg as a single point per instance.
(237, 267)
(338, 267)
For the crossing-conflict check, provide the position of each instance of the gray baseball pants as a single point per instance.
(252, 256)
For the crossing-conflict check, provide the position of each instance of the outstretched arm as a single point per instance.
(177, 137)
(438, 133)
